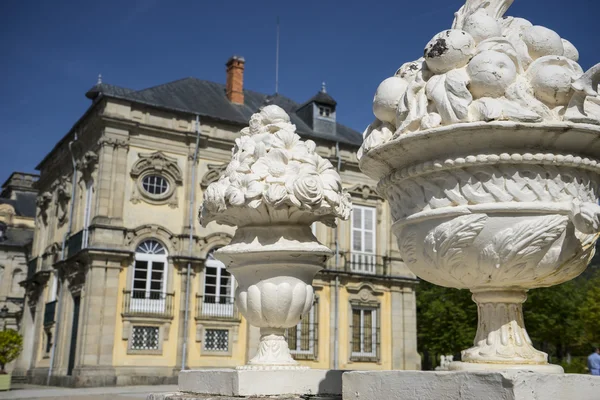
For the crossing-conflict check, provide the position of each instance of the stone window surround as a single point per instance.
(364, 295)
(164, 328)
(169, 267)
(231, 326)
(160, 165)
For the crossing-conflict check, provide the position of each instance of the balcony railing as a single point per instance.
(50, 313)
(216, 307)
(31, 268)
(364, 263)
(147, 303)
(75, 244)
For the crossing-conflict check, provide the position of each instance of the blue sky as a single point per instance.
(53, 51)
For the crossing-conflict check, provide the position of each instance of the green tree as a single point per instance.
(589, 313)
(446, 320)
(11, 345)
(552, 319)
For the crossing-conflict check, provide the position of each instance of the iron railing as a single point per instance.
(147, 303)
(303, 339)
(365, 342)
(216, 307)
(365, 263)
(50, 313)
(75, 244)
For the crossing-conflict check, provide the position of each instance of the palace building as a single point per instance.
(122, 286)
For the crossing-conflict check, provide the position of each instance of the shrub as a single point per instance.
(11, 345)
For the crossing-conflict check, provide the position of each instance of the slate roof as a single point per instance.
(17, 237)
(208, 99)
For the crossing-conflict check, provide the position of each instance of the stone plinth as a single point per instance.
(283, 382)
(501, 385)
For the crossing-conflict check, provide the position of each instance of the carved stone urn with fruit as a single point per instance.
(488, 150)
(273, 189)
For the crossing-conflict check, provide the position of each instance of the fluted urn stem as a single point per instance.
(272, 351)
(501, 335)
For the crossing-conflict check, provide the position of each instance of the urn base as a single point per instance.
(539, 368)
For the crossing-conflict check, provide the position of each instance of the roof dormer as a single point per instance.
(319, 112)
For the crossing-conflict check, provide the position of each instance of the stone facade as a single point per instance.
(106, 299)
(17, 202)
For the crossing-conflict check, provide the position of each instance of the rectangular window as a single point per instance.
(362, 257)
(216, 340)
(144, 338)
(303, 338)
(364, 334)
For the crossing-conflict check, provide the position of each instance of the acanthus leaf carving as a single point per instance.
(444, 245)
(523, 244)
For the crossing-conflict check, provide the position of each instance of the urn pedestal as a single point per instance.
(497, 208)
(274, 267)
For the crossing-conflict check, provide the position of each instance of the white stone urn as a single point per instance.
(274, 188)
(488, 151)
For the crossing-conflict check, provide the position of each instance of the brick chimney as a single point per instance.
(235, 79)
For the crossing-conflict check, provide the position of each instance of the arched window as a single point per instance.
(18, 276)
(149, 277)
(218, 289)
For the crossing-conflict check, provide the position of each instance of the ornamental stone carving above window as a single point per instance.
(156, 179)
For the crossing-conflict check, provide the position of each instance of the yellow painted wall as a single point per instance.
(168, 357)
(385, 361)
(324, 331)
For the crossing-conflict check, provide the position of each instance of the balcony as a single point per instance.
(139, 303)
(31, 268)
(364, 263)
(216, 307)
(75, 244)
(50, 313)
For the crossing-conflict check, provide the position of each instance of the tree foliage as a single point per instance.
(11, 345)
(562, 320)
(446, 320)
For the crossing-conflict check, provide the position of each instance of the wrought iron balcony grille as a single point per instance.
(148, 303)
(216, 307)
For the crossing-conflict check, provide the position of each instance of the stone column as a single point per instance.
(112, 172)
(99, 311)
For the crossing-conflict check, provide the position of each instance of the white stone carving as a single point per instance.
(486, 68)
(273, 189)
(498, 208)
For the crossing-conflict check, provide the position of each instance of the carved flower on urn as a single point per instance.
(492, 171)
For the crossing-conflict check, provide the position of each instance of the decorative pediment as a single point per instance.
(213, 174)
(364, 191)
(214, 240)
(159, 163)
(157, 177)
(151, 231)
(364, 292)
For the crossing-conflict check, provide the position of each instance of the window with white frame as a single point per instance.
(217, 300)
(303, 338)
(216, 340)
(362, 256)
(149, 277)
(145, 338)
(364, 333)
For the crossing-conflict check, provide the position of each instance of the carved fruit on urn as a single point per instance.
(493, 175)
